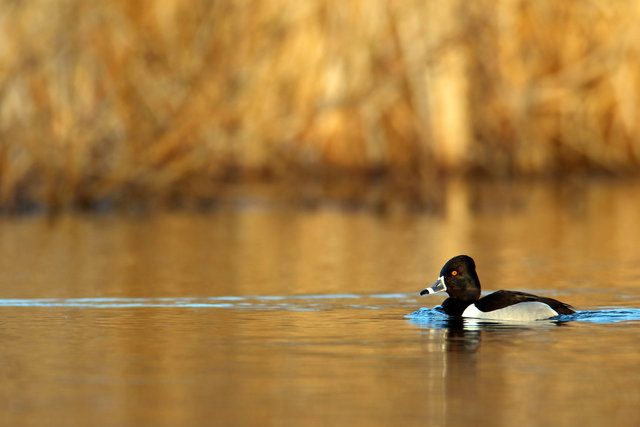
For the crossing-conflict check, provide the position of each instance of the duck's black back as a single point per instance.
(502, 299)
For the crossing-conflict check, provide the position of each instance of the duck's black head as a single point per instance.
(458, 278)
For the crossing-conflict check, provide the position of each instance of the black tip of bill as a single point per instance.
(439, 286)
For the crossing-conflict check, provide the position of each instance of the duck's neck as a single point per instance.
(467, 289)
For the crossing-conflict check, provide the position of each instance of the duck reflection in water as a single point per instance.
(465, 334)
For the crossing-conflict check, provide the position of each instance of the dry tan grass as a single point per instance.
(156, 100)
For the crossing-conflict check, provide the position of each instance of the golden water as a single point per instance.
(256, 314)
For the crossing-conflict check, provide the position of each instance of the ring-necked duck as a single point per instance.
(459, 279)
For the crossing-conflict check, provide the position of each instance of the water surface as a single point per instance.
(260, 314)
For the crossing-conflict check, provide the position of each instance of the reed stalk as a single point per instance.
(155, 100)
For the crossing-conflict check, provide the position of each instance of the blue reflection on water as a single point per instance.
(606, 315)
(261, 302)
(429, 317)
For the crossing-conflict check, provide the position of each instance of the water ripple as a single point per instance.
(606, 315)
(430, 317)
(257, 302)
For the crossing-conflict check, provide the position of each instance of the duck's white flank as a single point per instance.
(522, 311)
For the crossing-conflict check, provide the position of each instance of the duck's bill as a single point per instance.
(439, 286)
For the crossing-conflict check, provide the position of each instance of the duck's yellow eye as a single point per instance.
(454, 272)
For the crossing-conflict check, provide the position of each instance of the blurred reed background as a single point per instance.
(171, 100)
